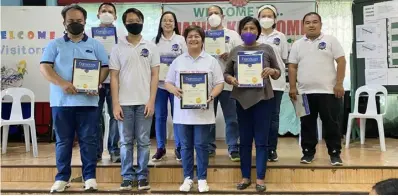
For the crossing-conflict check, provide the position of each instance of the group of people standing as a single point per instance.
(130, 85)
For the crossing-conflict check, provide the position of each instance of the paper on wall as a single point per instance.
(368, 13)
(371, 49)
(376, 76)
(376, 63)
(386, 9)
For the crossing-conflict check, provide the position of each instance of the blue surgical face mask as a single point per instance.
(248, 38)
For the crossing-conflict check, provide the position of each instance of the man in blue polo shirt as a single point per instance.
(71, 111)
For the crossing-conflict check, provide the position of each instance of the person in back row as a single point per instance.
(134, 65)
(269, 35)
(170, 45)
(312, 64)
(232, 39)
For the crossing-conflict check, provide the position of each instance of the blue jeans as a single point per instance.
(70, 120)
(161, 113)
(194, 136)
(254, 122)
(273, 133)
(228, 106)
(134, 127)
(105, 93)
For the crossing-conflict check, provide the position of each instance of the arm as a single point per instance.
(274, 63)
(48, 72)
(154, 83)
(115, 87)
(218, 80)
(229, 68)
(292, 75)
(171, 80)
(292, 69)
(341, 64)
(102, 55)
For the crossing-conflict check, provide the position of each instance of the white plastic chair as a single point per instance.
(371, 112)
(17, 119)
(107, 119)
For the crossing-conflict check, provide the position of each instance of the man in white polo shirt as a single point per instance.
(232, 39)
(134, 65)
(312, 65)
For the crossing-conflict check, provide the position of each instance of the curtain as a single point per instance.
(337, 21)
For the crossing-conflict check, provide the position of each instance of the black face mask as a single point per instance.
(75, 28)
(134, 28)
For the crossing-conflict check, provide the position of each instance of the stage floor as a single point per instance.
(289, 151)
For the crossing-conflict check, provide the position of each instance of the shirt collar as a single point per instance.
(171, 38)
(202, 54)
(274, 32)
(66, 38)
(125, 41)
(319, 38)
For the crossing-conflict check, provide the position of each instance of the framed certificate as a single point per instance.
(106, 35)
(215, 42)
(194, 88)
(165, 62)
(86, 75)
(250, 66)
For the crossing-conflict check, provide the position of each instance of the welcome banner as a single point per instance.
(25, 32)
(289, 19)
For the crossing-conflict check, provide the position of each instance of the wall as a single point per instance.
(11, 2)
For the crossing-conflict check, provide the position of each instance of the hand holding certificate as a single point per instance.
(165, 62)
(250, 67)
(194, 90)
(86, 75)
(301, 105)
(106, 35)
(215, 42)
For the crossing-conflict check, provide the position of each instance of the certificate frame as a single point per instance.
(94, 67)
(103, 32)
(249, 58)
(194, 106)
(165, 60)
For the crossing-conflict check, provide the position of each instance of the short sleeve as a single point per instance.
(114, 62)
(218, 76)
(50, 53)
(229, 65)
(284, 47)
(337, 49)
(155, 59)
(293, 56)
(236, 40)
(171, 74)
(101, 54)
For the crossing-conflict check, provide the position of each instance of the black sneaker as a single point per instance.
(99, 158)
(115, 157)
(335, 160)
(126, 185)
(212, 153)
(160, 153)
(307, 159)
(143, 185)
(177, 152)
(234, 156)
(272, 156)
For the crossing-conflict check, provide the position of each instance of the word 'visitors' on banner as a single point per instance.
(289, 19)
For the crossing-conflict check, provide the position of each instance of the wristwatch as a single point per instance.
(211, 97)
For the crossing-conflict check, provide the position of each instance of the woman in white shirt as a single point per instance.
(269, 35)
(170, 45)
(193, 125)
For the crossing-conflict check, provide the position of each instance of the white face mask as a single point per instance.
(214, 20)
(267, 23)
(106, 18)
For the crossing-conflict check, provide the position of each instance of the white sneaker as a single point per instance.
(59, 186)
(202, 186)
(187, 185)
(90, 185)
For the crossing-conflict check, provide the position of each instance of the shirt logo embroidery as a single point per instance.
(277, 41)
(227, 38)
(322, 46)
(145, 52)
(175, 47)
(89, 51)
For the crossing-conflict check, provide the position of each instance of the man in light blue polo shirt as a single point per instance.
(71, 111)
